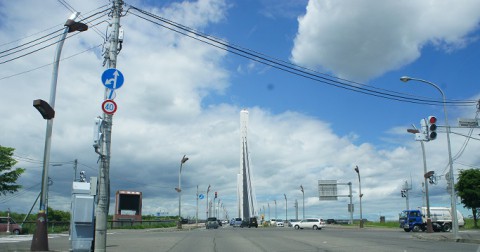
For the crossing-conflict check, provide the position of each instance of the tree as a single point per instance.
(468, 188)
(8, 177)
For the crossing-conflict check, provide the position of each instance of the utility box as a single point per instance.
(82, 216)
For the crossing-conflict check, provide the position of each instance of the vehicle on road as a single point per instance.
(292, 222)
(212, 222)
(238, 222)
(441, 218)
(7, 223)
(273, 222)
(279, 223)
(310, 223)
(253, 222)
(232, 222)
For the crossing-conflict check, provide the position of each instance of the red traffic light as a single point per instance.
(215, 194)
(432, 119)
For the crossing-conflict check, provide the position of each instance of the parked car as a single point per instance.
(13, 227)
(212, 222)
(279, 223)
(273, 222)
(313, 223)
(238, 222)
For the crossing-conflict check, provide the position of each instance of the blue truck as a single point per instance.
(416, 220)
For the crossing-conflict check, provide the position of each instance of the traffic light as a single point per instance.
(432, 127)
(403, 193)
(215, 195)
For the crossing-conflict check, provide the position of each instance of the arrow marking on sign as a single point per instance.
(114, 80)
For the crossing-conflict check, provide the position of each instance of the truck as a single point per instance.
(441, 218)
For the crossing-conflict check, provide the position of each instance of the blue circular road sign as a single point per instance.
(201, 196)
(112, 78)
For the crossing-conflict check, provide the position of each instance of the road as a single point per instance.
(231, 239)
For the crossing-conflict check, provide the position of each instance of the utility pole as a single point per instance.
(406, 188)
(75, 170)
(104, 169)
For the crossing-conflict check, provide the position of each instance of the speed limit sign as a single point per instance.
(109, 107)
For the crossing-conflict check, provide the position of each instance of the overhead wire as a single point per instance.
(46, 39)
(62, 59)
(70, 8)
(289, 67)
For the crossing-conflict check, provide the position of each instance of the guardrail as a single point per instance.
(28, 227)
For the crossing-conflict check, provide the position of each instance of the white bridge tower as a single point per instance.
(247, 202)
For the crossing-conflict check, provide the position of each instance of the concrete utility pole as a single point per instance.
(104, 169)
(407, 189)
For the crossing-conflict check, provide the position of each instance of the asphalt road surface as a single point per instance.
(229, 239)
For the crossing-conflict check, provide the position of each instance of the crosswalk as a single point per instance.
(20, 238)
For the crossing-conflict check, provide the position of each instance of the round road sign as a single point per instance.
(109, 107)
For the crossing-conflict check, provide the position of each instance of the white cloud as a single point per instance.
(360, 40)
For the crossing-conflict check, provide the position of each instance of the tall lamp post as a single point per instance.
(303, 197)
(47, 110)
(275, 209)
(208, 190)
(286, 207)
(269, 217)
(360, 195)
(450, 163)
(179, 190)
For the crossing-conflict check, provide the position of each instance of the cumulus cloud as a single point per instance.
(360, 40)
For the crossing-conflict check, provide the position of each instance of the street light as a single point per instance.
(47, 110)
(284, 195)
(360, 195)
(275, 209)
(179, 190)
(429, 221)
(269, 217)
(208, 190)
(450, 163)
(303, 196)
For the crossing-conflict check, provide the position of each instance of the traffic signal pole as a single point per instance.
(104, 169)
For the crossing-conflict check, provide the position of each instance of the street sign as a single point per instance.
(468, 123)
(201, 196)
(109, 107)
(112, 78)
(327, 189)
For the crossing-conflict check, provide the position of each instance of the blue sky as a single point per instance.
(182, 96)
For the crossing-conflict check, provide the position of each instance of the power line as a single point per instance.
(289, 67)
(70, 8)
(44, 39)
(33, 69)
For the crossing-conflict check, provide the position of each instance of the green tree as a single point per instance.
(468, 188)
(8, 175)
